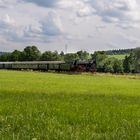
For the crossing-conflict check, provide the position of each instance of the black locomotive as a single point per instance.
(78, 66)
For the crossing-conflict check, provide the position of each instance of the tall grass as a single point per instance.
(42, 106)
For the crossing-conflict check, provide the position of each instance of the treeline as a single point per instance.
(32, 53)
(131, 63)
(119, 51)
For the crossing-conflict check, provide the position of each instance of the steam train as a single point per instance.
(78, 66)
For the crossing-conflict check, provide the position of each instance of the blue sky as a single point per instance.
(81, 24)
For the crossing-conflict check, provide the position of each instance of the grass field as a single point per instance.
(49, 106)
(120, 57)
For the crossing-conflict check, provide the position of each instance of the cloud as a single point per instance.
(8, 28)
(121, 12)
(80, 23)
(129, 38)
(47, 28)
(85, 11)
(78, 6)
(7, 22)
(44, 3)
(51, 25)
(108, 9)
(8, 3)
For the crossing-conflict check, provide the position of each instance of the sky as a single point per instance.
(88, 25)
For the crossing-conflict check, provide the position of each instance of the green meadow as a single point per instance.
(53, 106)
(119, 56)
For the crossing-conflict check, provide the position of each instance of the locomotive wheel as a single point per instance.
(81, 68)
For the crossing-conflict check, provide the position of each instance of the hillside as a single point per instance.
(119, 51)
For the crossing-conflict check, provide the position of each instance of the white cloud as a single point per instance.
(44, 3)
(8, 27)
(121, 12)
(83, 24)
(51, 25)
(7, 22)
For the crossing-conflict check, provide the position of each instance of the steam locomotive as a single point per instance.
(78, 66)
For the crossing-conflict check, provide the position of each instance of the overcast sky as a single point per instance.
(81, 24)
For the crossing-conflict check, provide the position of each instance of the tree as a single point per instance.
(127, 64)
(71, 57)
(16, 55)
(100, 58)
(118, 66)
(5, 57)
(83, 55)
(50, 56)
(136, 60)
(62, 55)
(132, 62)
(108, 66)
(31, 53)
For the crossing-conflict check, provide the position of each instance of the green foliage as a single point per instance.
(120, 56)
(132, 62)
(16, 56)
(83, 55)
(71, 57)
(137, 60)
(47, 106)
(108, 66)
(119, 52)
(5, 57)
(50, 56)
(118, 66)
(100, 58)
(31, 53)
(127, 64)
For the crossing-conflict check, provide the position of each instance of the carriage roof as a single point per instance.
(34, 62)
